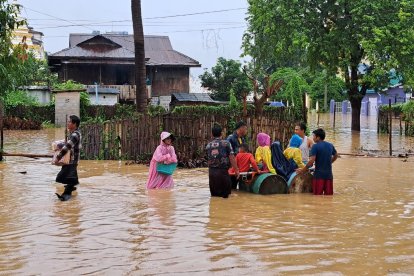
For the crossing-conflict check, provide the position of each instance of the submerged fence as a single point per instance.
(404, 126)
(136, 139)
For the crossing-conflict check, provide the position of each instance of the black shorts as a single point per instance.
(68, 175)
(219, 182)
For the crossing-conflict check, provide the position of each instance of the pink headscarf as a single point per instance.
(263, 139)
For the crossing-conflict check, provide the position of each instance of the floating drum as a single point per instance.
(268, 183)
(300, 183)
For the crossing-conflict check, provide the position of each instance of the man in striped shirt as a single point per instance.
(68, 175)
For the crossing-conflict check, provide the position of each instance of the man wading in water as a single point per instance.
(220, 157)
(68, 175)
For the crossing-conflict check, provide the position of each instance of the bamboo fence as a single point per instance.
(136, 139)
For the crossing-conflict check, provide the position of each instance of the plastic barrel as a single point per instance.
(300, 183)
(268, 183)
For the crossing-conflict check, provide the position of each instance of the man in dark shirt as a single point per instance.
(68, 175)
(220, 157)
(238, 137)
(323, 154)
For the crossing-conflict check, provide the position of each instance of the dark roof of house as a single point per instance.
(158, 49)
(192, 97)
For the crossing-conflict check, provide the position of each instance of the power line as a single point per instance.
(54, 17)
(129, 20)
(196, 13)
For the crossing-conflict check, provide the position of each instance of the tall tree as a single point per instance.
(338, 35)
(140, 70)
(226, 76)
(8, 57)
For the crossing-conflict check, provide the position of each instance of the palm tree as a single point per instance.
(140, 73)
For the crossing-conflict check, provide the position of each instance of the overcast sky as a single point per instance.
(215, 29)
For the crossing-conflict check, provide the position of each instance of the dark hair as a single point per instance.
(302, 126)
(216, 130)
(245, 147)
(75, 120)
(240, 124)
(171, 137)
(319, 133)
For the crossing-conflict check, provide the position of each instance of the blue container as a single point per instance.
(167, 169)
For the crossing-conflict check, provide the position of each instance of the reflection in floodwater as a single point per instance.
(113, 226)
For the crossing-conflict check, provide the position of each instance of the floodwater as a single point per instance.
(113, 226)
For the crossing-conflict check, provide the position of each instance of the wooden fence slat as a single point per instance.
(141, 136)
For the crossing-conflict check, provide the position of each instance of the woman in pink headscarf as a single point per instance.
(164, 153)
(263, 154)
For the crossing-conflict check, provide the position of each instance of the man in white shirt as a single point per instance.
(300, 129)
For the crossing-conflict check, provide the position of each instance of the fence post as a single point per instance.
(390, 126)
(318, 118)
(305, 117)
(334, 115)
(378, 120)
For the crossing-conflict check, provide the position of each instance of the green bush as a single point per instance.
(19, 97)
(68, 85)
(408, 111)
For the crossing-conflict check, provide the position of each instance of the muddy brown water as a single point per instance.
(113, 226)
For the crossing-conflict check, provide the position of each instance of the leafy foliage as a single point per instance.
(295, 86)
(154, 110)
(226, 76)
(339, 36)
(8, 56)
(68, 85)
(19, 98)
(408, 111)
(335, 89)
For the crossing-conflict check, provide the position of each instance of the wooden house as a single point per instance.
(108, 60)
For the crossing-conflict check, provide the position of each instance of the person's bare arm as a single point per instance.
(307, 166)
(234, 164)
(310, 142)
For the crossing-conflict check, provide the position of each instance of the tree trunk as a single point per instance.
(356, 114)
(269, 91)
(140, 72)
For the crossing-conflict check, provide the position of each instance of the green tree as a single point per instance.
(338, 35)
(295, 86)
(335, 88)
(226, 76)
(31, 71)
(8, 58)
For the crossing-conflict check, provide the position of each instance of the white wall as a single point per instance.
(104, 99)
(66, 103)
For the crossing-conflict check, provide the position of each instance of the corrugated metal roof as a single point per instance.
(192, 97)
(158, 50)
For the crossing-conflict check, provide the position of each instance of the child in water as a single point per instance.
(245, 160)
(164, 153)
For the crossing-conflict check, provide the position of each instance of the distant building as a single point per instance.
(108, 60)
(28, 36)
(103, 96)
(374, 99)
(180, 99)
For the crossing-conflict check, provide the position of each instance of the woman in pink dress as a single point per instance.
(164, 153)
